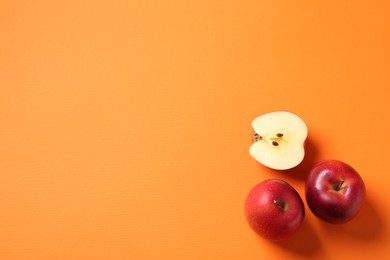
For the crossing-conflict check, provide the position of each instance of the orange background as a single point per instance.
(125, 125)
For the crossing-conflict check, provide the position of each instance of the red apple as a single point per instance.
(334, 191)
(274, 209)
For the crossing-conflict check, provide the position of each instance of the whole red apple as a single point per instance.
(274, 209)
(334, 191)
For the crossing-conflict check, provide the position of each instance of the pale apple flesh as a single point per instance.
(278, 140)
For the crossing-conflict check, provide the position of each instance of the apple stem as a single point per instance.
(338, 187)
(257, 137)
(280, 203)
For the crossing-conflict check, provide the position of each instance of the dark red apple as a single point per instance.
(334, 191)
(274, 209)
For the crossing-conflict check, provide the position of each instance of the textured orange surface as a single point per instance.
(125, 125)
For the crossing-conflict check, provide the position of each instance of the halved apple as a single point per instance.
(278, 140)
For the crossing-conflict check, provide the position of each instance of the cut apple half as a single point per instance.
(278, 140)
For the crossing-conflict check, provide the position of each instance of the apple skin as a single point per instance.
(274, 209)
(329, 202)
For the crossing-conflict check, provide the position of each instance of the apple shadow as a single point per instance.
(367, 226)
(304, 242)
(311, 158)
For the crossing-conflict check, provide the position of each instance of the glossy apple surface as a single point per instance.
(278, 140)
(274, 209)
(334, 191)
